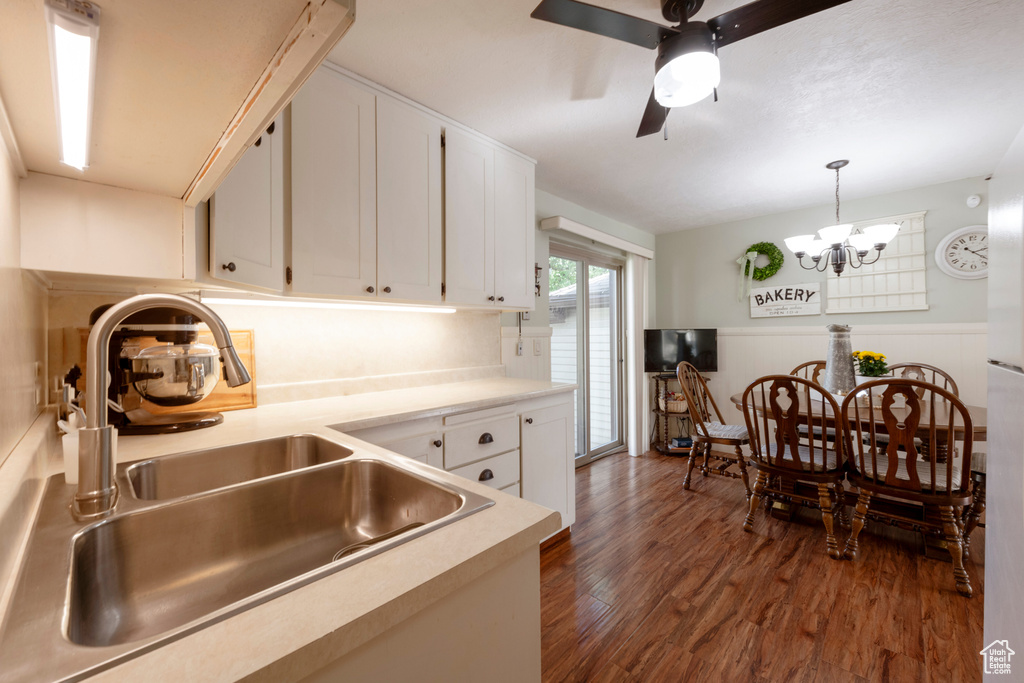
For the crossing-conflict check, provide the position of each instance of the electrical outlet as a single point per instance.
(537, 348)
(519, 348)
(526, 315)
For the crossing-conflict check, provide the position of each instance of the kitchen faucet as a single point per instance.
(97, 492)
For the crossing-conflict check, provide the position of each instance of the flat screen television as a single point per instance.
(665, 349)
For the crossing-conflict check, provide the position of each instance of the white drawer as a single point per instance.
(498, 472)
(480, 440)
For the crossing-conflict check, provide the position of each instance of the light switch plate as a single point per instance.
(537, 349)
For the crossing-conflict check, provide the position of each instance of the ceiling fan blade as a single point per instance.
(603, 22)
(654, 117)
(763, 15)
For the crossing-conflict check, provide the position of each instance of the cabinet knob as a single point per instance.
(486, 438)
(259, 141)
(501, 298)
(387, 290)
(528, 420)
(271, 127)
(437, 443)
(486, 475)
(490, 298)
(370, 290)
(230, 267)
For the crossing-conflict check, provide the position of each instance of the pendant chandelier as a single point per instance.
(835, 245)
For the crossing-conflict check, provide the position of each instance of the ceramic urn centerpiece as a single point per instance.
(839, 375)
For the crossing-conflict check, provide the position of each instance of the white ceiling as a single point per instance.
(170, 77)
(914, 93)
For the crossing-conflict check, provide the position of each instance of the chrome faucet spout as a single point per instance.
(97, 493)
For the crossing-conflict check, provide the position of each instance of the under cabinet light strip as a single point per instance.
(73, 28)
(335, 305)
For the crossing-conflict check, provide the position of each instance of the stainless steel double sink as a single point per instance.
(204, 535)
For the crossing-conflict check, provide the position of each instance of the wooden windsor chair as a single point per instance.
(813, 370)
(774, 407)
(916, 418)
(709, 430)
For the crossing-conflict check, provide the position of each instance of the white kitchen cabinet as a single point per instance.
(409, 215)
(334, 187)
(489, 224)
(514, 230)
(247, 217)
(469, 219)
(523, 449)
(366, 193)
(548, 474)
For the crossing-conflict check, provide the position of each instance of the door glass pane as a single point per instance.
(603, 356)
(564, 309)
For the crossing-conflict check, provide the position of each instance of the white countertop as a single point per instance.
(346, 609)
(344, 413)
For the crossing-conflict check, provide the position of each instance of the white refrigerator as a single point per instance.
(1004, 525)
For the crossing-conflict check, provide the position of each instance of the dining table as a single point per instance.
(971, 516)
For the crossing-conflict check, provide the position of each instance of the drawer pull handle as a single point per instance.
(486, 475)
(437, 443)
(486, 438)
(529, 420)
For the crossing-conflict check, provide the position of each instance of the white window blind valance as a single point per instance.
(585, 231)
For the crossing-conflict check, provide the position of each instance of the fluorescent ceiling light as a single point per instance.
(322, 304)
(73, 28)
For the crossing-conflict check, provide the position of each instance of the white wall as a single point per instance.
(22, 371)
(696, 279)
(22, 322)
(548, 205)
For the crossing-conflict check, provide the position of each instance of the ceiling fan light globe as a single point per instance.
(835, 234)
(687, 79)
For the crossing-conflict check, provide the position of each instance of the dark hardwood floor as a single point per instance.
(660, 584)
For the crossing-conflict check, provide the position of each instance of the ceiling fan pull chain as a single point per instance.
(716, 94)
(665, 128)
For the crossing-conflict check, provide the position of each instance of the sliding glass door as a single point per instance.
(585, 305)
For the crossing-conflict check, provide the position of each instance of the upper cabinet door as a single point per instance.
(408, 203)
(247, 217)
(514, 228)
(469, 220)
(334, 188)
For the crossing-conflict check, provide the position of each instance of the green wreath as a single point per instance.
(775, 259)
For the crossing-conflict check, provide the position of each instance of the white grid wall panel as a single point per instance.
(896, 282)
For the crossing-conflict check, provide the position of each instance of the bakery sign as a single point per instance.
(777, 302)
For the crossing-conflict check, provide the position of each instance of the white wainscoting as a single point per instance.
(746, 353)
(530, 365)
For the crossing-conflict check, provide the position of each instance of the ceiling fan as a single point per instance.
(686, 69)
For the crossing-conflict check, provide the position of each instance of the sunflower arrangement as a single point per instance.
(870, 364)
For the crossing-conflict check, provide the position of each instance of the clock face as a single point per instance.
(964, 253)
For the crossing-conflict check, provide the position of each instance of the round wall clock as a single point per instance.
(963, 253)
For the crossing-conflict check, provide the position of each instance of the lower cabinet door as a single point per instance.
(547, 454)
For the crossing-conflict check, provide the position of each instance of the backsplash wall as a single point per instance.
(304, 353)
